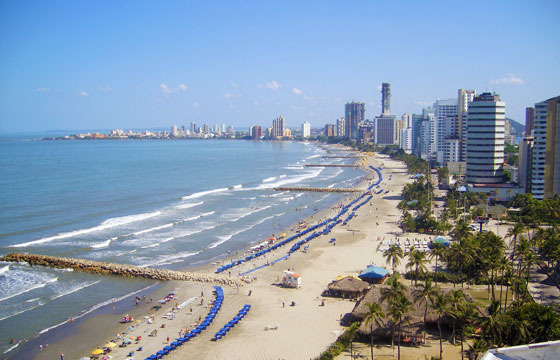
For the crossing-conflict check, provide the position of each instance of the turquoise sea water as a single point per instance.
(159, 203)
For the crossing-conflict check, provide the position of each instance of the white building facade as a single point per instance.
(485, 139)
(306, 129)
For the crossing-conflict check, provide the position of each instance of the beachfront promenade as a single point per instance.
(104, 268)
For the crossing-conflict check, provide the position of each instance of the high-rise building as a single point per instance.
(340, 127)
(330, 130)
(545, 179)
(451, 150)
(446, 124)
(485, 139)
(306, 129)
(174, 131)
(385, 130)
(386, 99)
(354, 115)
(529, 120)
(525, 163)
(206, 129)
(193, 127)
(256, 132)
(463, 99)
(405, 140)
(416, 122)
(278, 127)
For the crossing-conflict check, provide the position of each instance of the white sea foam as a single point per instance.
(224, 238)
(11, 348)
(110, 223)
(4, 269)
(292, 180)
(95, 307)
(152, 229)
(172, 259)
(293, 167)
(158, 243)
(32, 300)
(32, 287)
(236, 187)
(101, 245)
(189, 205)
(269, 179)
(77, 288)
(247, 213)
(202, 193)
(313, 156)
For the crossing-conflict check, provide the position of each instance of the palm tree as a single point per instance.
(391, 295)
(437, 251)
(456, 300)
(466, 316)
(478, 347)
(398, 310)
(440, 308)
(425, 293)
(461, 231)
(417, 260)
(514, 232)
(373, 315)
(393, 255)
(493, 325)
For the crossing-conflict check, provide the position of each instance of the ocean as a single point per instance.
(172, 204)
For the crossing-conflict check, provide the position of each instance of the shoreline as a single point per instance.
(30, 347)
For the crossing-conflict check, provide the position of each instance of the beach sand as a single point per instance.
(303, 331)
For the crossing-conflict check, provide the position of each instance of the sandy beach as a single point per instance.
(302, 331)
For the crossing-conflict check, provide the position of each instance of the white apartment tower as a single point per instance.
(306, 129)
(446, 118)
(278, 127)
(463, 99)
(340, 127)
(485, 139)
(405, 140)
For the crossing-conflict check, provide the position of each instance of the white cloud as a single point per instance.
(422, 103)
(167, 90)
(42, 89)
(509, 79)
(256, 103)
(194, 104)
(83, 93)
(234, 84)
(379, 87)
(106, 89)
(272, 85)
(337, 99)
(231, 96)
(297, 108)
(297, 91)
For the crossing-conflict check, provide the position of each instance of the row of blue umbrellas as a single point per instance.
(193, 333)
(236, 319)
(330, 223)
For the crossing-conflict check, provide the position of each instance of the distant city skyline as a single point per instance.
(142, 65)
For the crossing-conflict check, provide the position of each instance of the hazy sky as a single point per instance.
(144, 64)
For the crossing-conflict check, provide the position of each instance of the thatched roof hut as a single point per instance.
(412, 325)
(348, 287)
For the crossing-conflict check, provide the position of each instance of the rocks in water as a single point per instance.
(104, 268)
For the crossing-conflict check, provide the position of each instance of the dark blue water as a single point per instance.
(158, 203)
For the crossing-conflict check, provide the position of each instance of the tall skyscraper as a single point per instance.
(306, 129)
(463, 99)
(545, 179)
(525, 163)
(529, 120)
(354, 115)
(446, 125)
(385, 130)
(340, 127)
(485, 139)
(278, 127)
(386, 99)
(256, 132)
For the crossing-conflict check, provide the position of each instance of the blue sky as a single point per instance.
(144, 64)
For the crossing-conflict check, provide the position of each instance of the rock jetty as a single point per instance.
(315, 189)
(104, 268)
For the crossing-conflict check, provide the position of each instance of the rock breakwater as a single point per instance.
(104, 268)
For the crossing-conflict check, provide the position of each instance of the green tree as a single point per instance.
(373, 315)
(417, 260)
(437, 252)
(399, 308)
(425, 294)
(440, 308)
(393, 255)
